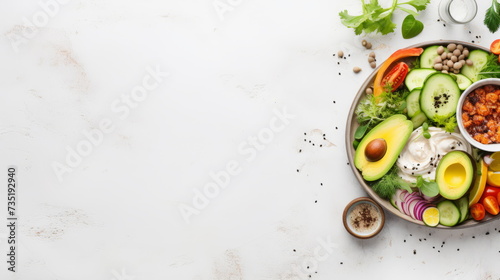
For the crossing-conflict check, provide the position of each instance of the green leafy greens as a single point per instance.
(376, 18)
(447, 123)
(372, 110)
(491, 69)
(386, 186)
(492, 16)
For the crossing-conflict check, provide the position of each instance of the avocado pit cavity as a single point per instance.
(376, 149)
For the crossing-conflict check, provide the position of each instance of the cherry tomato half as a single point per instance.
(489, 190)
(490, 204)
(477, 211)
(396, 76)
(495, 46)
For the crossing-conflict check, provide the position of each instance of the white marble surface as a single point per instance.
(114, 213)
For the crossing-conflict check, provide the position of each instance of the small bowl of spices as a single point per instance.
(363, 218)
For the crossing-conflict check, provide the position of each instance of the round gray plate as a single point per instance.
(352, 125)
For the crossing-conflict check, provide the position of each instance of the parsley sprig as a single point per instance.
(492, 17)
(376, 18)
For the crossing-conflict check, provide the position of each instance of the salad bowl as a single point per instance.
(352, 125)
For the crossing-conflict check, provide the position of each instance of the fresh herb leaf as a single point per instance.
(387, 185)
(376, 18)
(411, 27)
(492, 17)
(428, 188)
(419, 5)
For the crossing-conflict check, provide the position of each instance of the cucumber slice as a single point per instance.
(428, 56)
(439, 96)
(479, 59)
(418, 119)
(462, 81)
(449, 214)
(463, 207)
(416, 77)
(413, 103)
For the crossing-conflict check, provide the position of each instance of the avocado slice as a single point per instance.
(455, 174)
(395, 130)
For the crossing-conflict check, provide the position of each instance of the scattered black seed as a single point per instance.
(315, 201)
(420, 239)
(334, 54)
(430, 234)
(444, 25)
(425, 239)
(438, 20)
(349, 55)
(404, 240)
(433, 247)
(441, 246)
(473, 236)
(347, 163)
(487, 233)
(444, 243)
(472, 41)
(439, 251)
(300, 151)
(310, 276)
(338, 63)
(307, 267)
(414, 251)
(333, 101)
(411, 235)
(313, 144)
(340, 73)
(470, 32)
(294, 250)
(341, 263)
(323, 133)
(321, 145)
(309, 141)
(336, 127)
(458, 249)
(305, 133)
(297, 170)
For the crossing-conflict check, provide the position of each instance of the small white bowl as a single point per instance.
(467, 136)
(363, 218)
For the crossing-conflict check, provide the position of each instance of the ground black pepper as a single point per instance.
(364, 217)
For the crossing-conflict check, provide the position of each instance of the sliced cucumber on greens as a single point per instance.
(429, 55)
(449, 214)
(413, 103)
(479, 58)
(416, 77)
(439, 96)
(462, 81)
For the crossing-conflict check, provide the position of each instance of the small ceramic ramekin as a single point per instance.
(363, 218)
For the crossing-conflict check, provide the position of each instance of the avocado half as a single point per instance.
(395, 130)
(455, 174)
